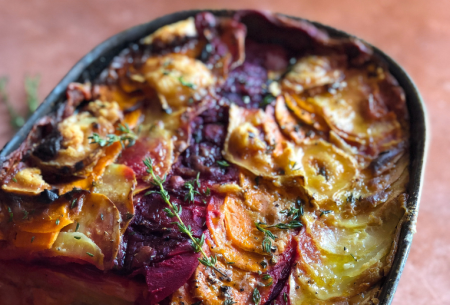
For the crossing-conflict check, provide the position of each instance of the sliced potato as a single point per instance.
(327, 170)
(264, 154)
(76, 245)
(176, 78)
(99, 220)
(313, 71)
(118, 183)
(341, 262)
(73, 150)
(169, 33)
(28, 181)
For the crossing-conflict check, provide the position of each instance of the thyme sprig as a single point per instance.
(31, 91)
(16, 120)
(256, 296)
(269, 236)
(126, 139)
(192, 191)
(175, 211)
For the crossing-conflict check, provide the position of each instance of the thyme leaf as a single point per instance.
(256, 296)
(126, 139)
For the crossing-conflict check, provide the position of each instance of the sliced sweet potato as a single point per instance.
(214, 289)
(241, 227)
(118, 183)
(50, 220)
(221, 246)
(35, 241)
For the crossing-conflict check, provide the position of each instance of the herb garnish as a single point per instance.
(186, 84)
(191, 185)
(77, 237)
(325, 212)
(57, 222)
(77, 227)
(267, 277)
(294, 211)
(354, 257)
(175, 211)
(25, 214)
(90, 254)
(223, 163)
(229, 302)
(11, 215)
(126, 139)
(256, 296)
(285, 296)
(16, 120)
(267, 100)
(31, 88)
(14, 179)
(32, 239)
(267, 243)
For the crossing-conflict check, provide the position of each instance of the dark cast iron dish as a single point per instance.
(92, 64)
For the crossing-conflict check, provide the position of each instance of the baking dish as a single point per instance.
(90, 66)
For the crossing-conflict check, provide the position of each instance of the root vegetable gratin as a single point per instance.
(249, 159)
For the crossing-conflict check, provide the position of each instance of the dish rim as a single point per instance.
(91, 65)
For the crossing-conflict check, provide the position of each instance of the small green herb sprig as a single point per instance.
(191, 187)
(126, 139)
(32, 99)
(174, 210)
(269, 236)
(256, 296)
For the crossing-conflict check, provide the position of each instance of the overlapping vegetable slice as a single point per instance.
(99, 220)
(118, 183)
(337, 261)
(177, 78)
(255, 143)
(68, 150)
(27, 181)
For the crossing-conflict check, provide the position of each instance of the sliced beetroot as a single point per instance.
(166, 277)
(280, 273)
(156, 149)
(283, 297)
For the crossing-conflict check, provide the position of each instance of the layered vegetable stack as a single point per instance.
(248, 159)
